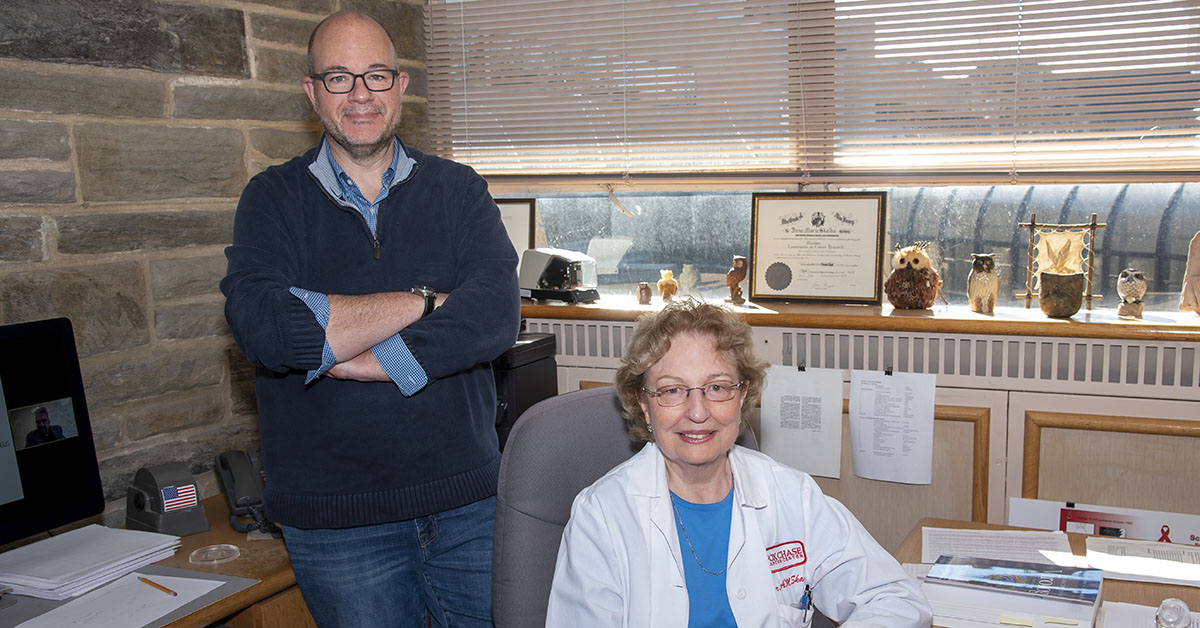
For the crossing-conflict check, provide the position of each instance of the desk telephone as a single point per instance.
(241, 476)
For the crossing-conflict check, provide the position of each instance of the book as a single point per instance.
(971, 592)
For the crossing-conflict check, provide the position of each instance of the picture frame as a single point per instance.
(818, 246)
(520, 220)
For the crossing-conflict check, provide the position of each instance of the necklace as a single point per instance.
(706, 570)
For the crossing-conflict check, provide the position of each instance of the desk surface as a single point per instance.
(266, 561)
(1144, 593)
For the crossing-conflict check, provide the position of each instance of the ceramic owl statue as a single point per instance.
(983, 284)
(914, 284)
(1131, 286)
(688, 279)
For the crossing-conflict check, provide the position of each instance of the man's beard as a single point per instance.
(358, 150)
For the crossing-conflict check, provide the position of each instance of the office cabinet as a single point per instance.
(525, 374)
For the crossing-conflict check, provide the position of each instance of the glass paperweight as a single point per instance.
(214, 554)
(1173, 613)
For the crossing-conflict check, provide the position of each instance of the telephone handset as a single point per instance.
(241, 477)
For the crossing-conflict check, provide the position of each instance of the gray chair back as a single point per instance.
(557, 448)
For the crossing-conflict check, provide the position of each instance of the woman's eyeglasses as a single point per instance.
(674, 395)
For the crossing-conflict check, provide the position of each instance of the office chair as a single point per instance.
(557, 448)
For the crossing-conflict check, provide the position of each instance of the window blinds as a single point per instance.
(815, 88)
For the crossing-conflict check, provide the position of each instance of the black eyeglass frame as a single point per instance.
(354, 79)
(657, 395)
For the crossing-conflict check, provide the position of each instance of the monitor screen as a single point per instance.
(49, 476)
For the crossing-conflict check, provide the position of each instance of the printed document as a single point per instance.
(1021, 545)
(124, 602)
(1145, 561)
(1119, 614)
(891, 426)
(801, 419)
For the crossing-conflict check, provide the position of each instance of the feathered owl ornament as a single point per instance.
(983, 284)
(914, 284)
(1131, 285)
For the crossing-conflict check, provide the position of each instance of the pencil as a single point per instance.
(157, 586)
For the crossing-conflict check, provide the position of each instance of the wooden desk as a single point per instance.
(275, 601)
(1144, 593)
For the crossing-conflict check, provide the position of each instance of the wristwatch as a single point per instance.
(429, 295)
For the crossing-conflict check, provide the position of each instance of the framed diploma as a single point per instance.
(818, 246)
(519, 216)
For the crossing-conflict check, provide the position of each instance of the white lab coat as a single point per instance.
(619, 562)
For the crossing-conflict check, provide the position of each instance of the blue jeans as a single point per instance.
(392, 574)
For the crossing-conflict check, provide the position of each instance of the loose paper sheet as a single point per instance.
(124, 602)
(1145, 561)
(1035, 547)
(891, 426)
(801, 419)
(1122, 615)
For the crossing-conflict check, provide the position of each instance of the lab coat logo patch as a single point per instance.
(786, 555)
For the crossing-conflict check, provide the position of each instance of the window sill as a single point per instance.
(954, 319)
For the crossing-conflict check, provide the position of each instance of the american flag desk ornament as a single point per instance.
(163, 499)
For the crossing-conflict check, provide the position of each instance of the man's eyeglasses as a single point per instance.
(674, 395)
(338, 82)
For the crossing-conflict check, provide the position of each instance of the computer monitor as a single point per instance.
(49, 476)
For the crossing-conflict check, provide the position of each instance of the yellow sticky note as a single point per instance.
(1061, 622)
(1016, 621)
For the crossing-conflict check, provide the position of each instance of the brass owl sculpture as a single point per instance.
(983, 284)
(914, 284)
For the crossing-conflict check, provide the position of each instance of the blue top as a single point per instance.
(707, 531)
(342, 453)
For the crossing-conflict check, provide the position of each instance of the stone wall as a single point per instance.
(127, 131)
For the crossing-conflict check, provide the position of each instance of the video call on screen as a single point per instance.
(35, 401)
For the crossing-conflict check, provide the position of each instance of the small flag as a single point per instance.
(176, 497)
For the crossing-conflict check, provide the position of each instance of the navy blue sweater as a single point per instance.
(344, 453)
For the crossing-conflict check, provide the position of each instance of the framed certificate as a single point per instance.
(519, 216)
(818, 246)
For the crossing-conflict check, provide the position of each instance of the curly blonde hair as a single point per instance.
(652, 339)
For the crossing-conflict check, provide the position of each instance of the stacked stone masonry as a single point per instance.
(127, 131)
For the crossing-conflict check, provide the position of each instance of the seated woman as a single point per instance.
(696, 531)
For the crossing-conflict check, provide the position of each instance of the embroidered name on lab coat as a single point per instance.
(786, 555)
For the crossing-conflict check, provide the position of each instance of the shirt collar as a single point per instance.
(331, 175)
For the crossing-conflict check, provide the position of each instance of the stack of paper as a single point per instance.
(78, 561)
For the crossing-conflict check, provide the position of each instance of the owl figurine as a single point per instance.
(667, 286)
(914, 284)
(688, 279)
(1131, 286)
(983, 284)
(733, 279)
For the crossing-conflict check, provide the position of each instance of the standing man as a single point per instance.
(371, 285)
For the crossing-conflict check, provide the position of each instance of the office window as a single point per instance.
(696, 235)
(972, 114)
(819, 89)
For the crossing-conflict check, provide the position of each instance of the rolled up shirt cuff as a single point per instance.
(400, 365)
(319, 304)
